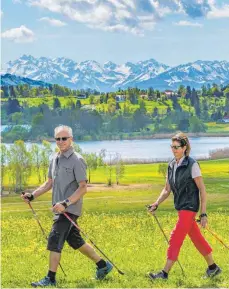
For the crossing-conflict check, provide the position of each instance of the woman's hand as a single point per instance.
(153, 208)
(204, 222)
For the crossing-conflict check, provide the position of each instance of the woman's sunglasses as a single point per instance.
(175, 147)
(62, 138)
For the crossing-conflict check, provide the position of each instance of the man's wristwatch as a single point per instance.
(66, 203)
(203, 215)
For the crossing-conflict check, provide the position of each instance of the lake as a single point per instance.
(156, 149)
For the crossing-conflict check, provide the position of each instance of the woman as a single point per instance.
(185, 181)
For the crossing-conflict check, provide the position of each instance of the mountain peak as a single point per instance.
(110, 76)
(110, 65)
(27, 57)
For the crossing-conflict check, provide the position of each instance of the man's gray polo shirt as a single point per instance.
(67, 170)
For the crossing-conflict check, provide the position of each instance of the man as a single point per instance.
(68, 179)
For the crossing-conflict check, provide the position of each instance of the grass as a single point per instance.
(213, 127)
(116, 219)
(148, 173)
(48, 100)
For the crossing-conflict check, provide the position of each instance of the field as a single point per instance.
(213, 127)
(116, 219)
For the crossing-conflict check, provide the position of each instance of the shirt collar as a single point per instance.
(68, 153)
(180, 161)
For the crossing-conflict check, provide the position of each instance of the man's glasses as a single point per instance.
(62, 138)
(175, 147)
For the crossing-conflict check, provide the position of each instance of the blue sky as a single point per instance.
(170, 31)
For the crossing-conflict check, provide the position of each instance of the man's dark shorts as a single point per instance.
(63, 230)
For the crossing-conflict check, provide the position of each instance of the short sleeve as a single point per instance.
(196, 172)
(50, 170)
(80, 170)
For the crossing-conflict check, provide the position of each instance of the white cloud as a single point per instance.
(1, 14)
(19, 35)
(108, 15)
(132, 16)
(17, 1)
(117, 3)
(222, 12)
(53, 22)
(188, 23)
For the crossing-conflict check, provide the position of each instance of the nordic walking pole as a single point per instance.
(215, 235)
(159, 225)
(35, 216)
(78, 228)
(43, 232)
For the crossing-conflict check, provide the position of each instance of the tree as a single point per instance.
(119, 168)
(13, 106)
(77, 148)
(45, 158)
(196, 125)
(188, 92)
(183, 124)
(226, 93)
(111, 105)
(139, 119)
(109, 167)
(92, 163)
(3, 163)
(203, 90)
(91, 99)
(162, 170)
(150, 93)
(155, 112)
(158, 94)
(195, 101)
(78, 104)
(117, 106)
(131, 96)
(36, 153)
(176, 105)
(142, 106)
(181, 91)
(16, 133)
(56, 103)
(17, 117)
(12, 91)
(5, 90)
(19, 165)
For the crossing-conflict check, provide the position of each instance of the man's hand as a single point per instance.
(203, 222)
(27, 197)
(58, 208)
(153, 207)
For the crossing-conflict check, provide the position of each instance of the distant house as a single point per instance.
(120, 98)
(169, 92)
(88, 107)
(225, 119)
(81, 96)
(144, 96)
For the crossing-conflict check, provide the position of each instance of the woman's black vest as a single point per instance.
(185, 190)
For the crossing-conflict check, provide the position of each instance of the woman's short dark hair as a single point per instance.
(183, 141)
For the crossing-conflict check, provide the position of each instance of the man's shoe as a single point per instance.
(213, 272)
(159, 275)
(102, 272)
(45, 282)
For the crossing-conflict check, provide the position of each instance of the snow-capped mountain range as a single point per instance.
(10, 79)
(111, 76)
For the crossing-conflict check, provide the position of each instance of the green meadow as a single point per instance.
(115, 218)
